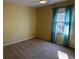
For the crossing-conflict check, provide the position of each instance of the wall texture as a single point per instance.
(19, 23)
(44, 22)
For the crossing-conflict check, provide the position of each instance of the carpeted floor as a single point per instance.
(37, 49)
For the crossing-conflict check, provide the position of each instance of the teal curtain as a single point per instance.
(53, 37)
(67, 25)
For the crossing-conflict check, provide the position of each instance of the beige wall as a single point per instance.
(19, 23)
(44, 21)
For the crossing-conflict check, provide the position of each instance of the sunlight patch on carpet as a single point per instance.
(62, 55)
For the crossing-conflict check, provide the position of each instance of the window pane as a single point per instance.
(60, 20)
(61, 10)
(60, 17)
(60, 27)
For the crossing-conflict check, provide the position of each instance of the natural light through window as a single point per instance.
(62, 55)
(60, 20)
(62, 26)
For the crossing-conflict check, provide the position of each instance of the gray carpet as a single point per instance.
(37, 49)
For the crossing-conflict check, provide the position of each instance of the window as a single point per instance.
(62, 26)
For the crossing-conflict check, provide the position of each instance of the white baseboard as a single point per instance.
(17, 41)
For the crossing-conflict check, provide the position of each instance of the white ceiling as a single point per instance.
(33, 3)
